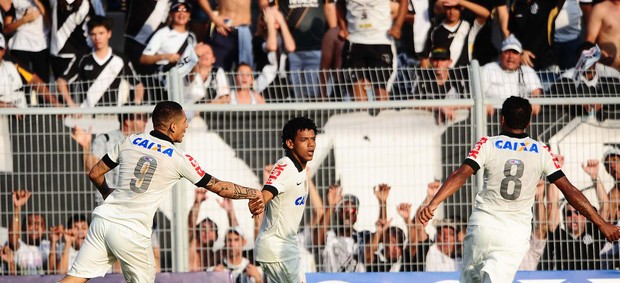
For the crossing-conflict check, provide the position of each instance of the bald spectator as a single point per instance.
(604, 30)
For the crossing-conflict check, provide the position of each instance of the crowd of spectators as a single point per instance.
(298, 50)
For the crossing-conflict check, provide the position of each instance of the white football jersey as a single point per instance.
(150, 165)
(513, 165)
(277, 238)
(369, 21)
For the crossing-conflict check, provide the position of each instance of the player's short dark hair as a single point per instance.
(517, 112)
(164, 112)
(80, 217)
(99, 21)
(293, 126)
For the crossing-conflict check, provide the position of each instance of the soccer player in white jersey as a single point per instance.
(285, 194)
(499, 227)
(150, 164)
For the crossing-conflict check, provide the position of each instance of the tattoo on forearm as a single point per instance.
(240, 192)
(235, 191)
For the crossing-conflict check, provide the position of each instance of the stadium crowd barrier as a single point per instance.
(360, 144)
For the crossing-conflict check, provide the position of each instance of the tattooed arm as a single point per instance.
(231, 190)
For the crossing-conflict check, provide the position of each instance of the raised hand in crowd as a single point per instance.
(404, 210)
(382, 191)
(20, 198)
(591, 167)
(83, 137)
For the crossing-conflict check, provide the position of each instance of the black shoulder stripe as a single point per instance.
(204, 181)
(106, 159)
(555, 176)
(472, 164)
(271, 189)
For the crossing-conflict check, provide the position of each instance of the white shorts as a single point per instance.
(105, 243)
(492, 255)
(289, 271)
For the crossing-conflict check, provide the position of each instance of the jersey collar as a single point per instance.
(161, 136)
(297, 164)
(513, 135)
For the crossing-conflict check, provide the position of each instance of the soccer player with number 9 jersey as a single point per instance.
(149, 166)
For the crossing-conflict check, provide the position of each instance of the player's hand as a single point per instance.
(20, 198)
(591, 168)
(256, 205)
(382, 191)
(611, 232)
(404, 210)
(426, 214)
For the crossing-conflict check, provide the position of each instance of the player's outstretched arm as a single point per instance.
(582, 204)
(231, 190)
(449, 187)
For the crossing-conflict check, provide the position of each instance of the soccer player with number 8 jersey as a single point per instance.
(499, 227)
